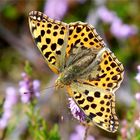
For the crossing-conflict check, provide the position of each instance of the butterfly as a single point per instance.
(88, 69)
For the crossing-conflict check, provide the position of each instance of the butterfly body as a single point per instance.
(75, 69)
(88, 69)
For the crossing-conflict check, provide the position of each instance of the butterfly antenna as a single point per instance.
(48, 87)
(41, 90)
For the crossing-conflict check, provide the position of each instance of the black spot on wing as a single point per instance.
(42, 32)
(48, 40)
(81, 101)
(99, 114)
(92, 115)
(78, 29)
(33, 28)
(86, 107)
(90, 98)
(51, 58)
(90, 35)
(38, 39)
(102, 76)
(58, 52)
(97, 94)
(47, 54)
(77, 97)
(93, 106)
(43, 47)
(86, 92)
(60, 41)
(53, 46)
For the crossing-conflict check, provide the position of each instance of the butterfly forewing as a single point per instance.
(97, 104)
(56, 39)
(50, 37)
(83, 34)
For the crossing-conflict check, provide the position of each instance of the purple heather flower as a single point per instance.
(56, 9)
(28, 88)
(105, 15)
(3, 123)
(76, 111)
(10, 100)
(120, 30)
(25, 96)
(138, 74)
(36, 87)
(79, 134)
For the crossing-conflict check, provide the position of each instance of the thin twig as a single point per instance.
(3, 134)
(86, 133)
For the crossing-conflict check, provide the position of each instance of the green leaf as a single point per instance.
(10, 12)
(53, 134)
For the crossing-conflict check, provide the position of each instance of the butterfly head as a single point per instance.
(63, 79)
(58, 83)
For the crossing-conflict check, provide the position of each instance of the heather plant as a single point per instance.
(27, 97)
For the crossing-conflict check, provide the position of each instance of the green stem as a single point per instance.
(86, 133)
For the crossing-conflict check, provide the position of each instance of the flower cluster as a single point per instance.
(137, 96)
(76, 111)
(128, 131)
(10, 100)
(28, 88)
(55, 9)
(79, 134)
(118, 28)
(137, 122)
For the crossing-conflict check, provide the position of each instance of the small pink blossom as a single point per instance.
(138, 74)
(137, 96)
(124, 129)
(137, 123)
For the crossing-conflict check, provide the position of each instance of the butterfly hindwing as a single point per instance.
(109, 74)
(97, 104)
